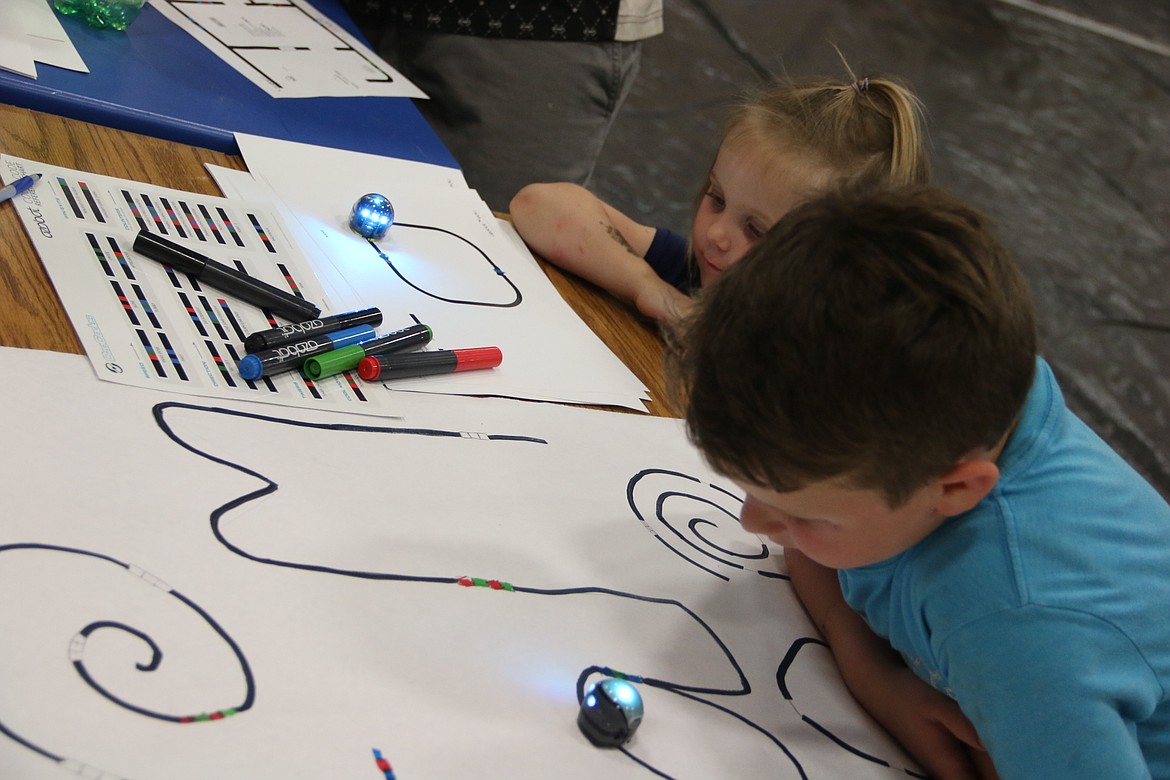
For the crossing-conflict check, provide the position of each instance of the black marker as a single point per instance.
(224, 278)
(286, 334)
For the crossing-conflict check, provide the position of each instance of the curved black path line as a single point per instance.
(270, 486)
(782, 684)
(693, 525)
(499, 271)
(156, 653)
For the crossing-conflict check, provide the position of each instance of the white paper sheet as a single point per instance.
(288, 49)
(30, 32)
(453, 265)
(290, 581)
(143, 324)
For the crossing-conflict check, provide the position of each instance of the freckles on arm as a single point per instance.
(574, 230)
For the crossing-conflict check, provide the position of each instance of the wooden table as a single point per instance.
(31, 315)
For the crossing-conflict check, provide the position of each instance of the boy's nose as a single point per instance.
(758, 520)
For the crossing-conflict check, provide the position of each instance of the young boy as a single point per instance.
(867, 374)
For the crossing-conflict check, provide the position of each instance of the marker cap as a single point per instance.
(329, 363)
(478, 358)
(441, 361)
(251, 367)
(368, 369)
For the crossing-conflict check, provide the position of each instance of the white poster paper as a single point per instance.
(195, 590)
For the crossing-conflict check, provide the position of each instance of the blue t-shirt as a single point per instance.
(1045, 610)
(669, 258)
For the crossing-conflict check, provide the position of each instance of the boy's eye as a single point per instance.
(716, 198)
(753, 231)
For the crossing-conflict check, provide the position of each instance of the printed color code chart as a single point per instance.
(144, 323)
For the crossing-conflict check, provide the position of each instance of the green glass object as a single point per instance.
(100, 14)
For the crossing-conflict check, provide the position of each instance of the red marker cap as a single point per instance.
(439, 361)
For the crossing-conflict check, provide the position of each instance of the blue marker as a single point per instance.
(19, 186)
(299, 331)
(290, 356)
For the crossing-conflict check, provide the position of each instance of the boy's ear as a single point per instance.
(965, 485)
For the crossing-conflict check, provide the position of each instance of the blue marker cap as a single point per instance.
(250, 367)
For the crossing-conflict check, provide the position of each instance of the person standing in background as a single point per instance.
(521, 91)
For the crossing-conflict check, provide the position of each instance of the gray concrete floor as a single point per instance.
(1054, 119)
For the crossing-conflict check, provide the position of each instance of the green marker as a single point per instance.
(346, 359)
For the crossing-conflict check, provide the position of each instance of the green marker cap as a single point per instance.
(333, 362)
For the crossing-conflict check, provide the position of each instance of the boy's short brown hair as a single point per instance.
(872, 335)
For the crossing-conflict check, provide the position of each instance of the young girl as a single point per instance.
(781, 147)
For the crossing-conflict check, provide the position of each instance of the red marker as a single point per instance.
(439, 361)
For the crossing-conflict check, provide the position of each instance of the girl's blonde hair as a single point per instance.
(871, 130)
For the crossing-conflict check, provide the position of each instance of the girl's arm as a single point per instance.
(571, 228)
(927, 723)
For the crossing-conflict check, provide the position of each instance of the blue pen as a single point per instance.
(290, 356)
(19, 186)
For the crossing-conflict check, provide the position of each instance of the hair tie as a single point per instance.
(861, 86)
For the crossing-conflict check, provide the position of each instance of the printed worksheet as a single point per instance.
(288, 48)
(143, 323)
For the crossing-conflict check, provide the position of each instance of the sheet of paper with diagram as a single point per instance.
(200, 590)
(145, 324)
(446, 260)
(288, 49)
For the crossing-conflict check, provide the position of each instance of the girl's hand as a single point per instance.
(661, 302)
